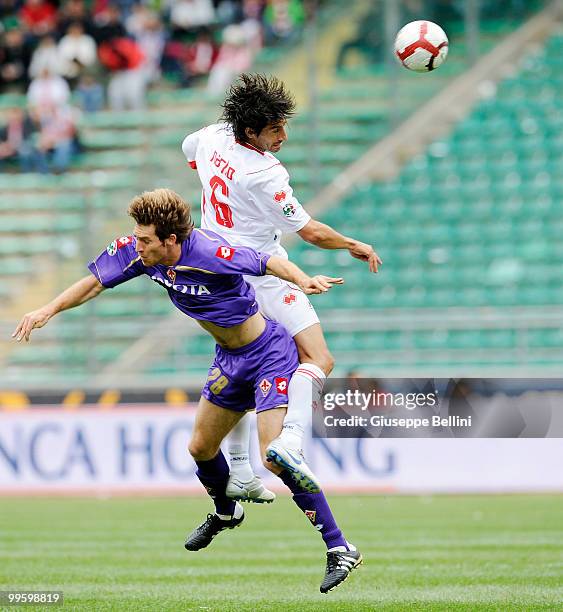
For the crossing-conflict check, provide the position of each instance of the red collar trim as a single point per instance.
(249, 146)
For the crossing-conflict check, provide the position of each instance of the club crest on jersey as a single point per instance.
(225, 252)
(279, 196)
(311, 515)
(265, 387)
(171, 274)
(288, 209)
(289, 298)
(281, 385)
(114, 246)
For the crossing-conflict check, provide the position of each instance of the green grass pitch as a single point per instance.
(420, 553)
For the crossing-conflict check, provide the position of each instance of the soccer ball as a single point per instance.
(421, 46)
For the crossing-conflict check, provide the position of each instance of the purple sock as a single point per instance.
(214, 475)
(317, 510)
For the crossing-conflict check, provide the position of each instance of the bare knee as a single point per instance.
(201, 451)
(323, 359)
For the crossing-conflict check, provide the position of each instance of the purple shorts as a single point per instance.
(254, 376)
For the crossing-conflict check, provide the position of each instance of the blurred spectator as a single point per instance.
(188, 62)
(125, 60)
(77, 51)
(57, 139)
(253, 9)
(135, 23)
(283, 20)
(74, 11)
(187, 16)
(151, 40)
(14, 57)
(46, 57)
(90, 94)
(48, 90)
(240, 44)
(38, 17)
(9, 15)
(108, 25)
(16, 139)
(201, 55)
(228, 11)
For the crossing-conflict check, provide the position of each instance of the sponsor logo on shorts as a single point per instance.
(289, 298)
(225, 252)
(265, 386)
(171, 274)
(279, 196)
(311, 515)
(281, 385)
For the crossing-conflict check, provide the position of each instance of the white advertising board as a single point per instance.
(136, 449)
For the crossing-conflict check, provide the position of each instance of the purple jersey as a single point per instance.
(206, 283)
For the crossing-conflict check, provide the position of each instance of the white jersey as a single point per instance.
(246, 193)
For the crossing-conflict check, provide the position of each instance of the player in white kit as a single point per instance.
(248, 199)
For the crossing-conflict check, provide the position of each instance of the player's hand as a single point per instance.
(32, 320)
(319, 284)
(365, 252)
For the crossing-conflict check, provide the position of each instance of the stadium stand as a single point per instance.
(455, 229)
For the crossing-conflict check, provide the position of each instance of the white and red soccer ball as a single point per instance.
(421, 46)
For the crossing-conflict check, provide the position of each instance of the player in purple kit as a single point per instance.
(254, 359)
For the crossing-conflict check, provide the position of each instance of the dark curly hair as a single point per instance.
(164, 209)
(256, 101)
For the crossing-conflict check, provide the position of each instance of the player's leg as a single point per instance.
(243, 484)
(306, 384)
(342, 557)
(212, 423)
(288, 305)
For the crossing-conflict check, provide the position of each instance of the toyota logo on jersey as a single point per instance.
(281, 385)
(225, 252)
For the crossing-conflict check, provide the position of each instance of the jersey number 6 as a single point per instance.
(223, 212)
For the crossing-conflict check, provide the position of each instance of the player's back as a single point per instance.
(246, 193)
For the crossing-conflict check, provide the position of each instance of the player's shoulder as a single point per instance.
(124, 245)
(265, 169)
(207, 242)
(208, 131)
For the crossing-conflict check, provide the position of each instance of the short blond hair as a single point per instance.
(164, 209)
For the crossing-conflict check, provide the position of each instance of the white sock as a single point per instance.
(238, 441)
(237, 513)
(304, 393)
(340, 548)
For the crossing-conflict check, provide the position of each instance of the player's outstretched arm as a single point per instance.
(83, 290)
(325, 237)
(284, 269)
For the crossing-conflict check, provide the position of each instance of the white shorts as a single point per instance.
(283, 302)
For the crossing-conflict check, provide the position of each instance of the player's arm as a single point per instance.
(284, 269)
(272, 192)
(325, 237)
(83, 290)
